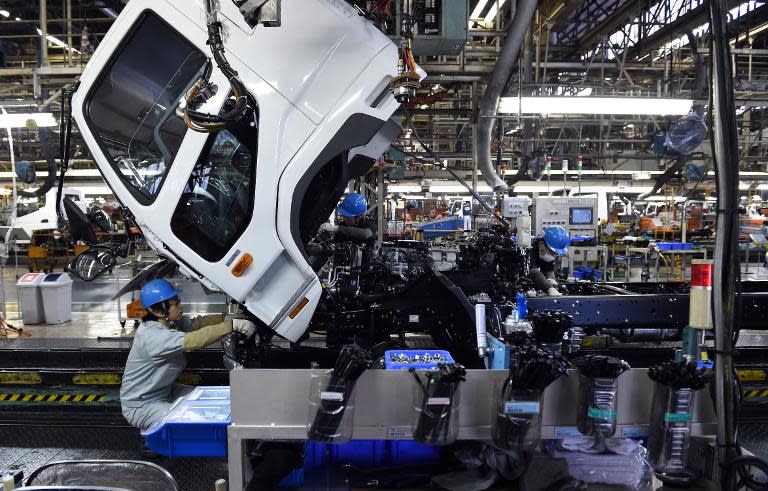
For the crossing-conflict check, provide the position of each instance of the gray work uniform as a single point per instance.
(155, 361)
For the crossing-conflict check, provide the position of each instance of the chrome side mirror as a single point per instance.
(90, 264)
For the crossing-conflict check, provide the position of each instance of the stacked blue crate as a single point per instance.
(195, 427)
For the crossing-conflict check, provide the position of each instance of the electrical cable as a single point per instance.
(724, 306)
(600, 366)
(531, 370)
(350, 365)
(681, 374)
(438, 392)
(209, 123)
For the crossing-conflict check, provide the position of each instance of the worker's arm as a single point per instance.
(547, 269)
(206, 320)
(540, 281)
(354, 234)
(204, 336)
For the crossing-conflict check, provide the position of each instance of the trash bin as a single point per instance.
(30, 298)
(57, 298)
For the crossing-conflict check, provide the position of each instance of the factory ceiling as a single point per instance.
(598, 47)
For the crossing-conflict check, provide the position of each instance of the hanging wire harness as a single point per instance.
(405, 84)
(236, 108)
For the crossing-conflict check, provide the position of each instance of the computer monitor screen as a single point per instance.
(581, 216)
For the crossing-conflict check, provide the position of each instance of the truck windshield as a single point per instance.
(25, 206)
(132, 108)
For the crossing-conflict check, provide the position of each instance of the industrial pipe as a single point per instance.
(527, 143)
(488, 105)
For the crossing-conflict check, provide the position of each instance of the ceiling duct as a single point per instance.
(496, 84)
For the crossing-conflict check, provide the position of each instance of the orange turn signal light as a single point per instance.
(242, 264)
(302, 304)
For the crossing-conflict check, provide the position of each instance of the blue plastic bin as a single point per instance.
(293, 480)
(584, 273)
(195, 427)
(406, 452)
(393, 365)
(441, 228)
(369, 454)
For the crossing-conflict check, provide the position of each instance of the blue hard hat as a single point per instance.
(157, 291)
(557, 239)
(352, 205)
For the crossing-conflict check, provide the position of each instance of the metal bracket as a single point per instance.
(266, 12)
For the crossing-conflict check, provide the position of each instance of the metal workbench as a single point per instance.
(274, 405)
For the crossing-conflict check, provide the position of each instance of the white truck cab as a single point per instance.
(39, 213)
(256, 191)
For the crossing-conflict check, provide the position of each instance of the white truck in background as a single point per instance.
(39, 213)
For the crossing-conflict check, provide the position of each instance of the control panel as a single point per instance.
(577, 215)
(441, 25)
(516, 206)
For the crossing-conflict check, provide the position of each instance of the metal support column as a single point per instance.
(475, 90)
(44, 33)
(69, 32)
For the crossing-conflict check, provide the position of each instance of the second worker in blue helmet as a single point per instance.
(354, 225)
(544, 251)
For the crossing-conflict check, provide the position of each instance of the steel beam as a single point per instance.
(666, 311)
(616, 19)
(681, 25)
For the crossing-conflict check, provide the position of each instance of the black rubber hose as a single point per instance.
(726, 156)
(45, 139)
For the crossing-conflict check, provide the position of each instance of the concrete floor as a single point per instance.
(94, 313)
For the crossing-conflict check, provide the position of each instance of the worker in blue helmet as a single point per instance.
(544, 251)
(157, 356)
(354, 225)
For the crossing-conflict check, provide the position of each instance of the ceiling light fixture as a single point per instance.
(58, 42)
(595, 105)
(751, 33)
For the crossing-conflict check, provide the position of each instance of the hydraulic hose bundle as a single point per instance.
(598, 393)
(671, 417)
(517, 421)
(236, 108)
(436, 404)
(332, 399)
